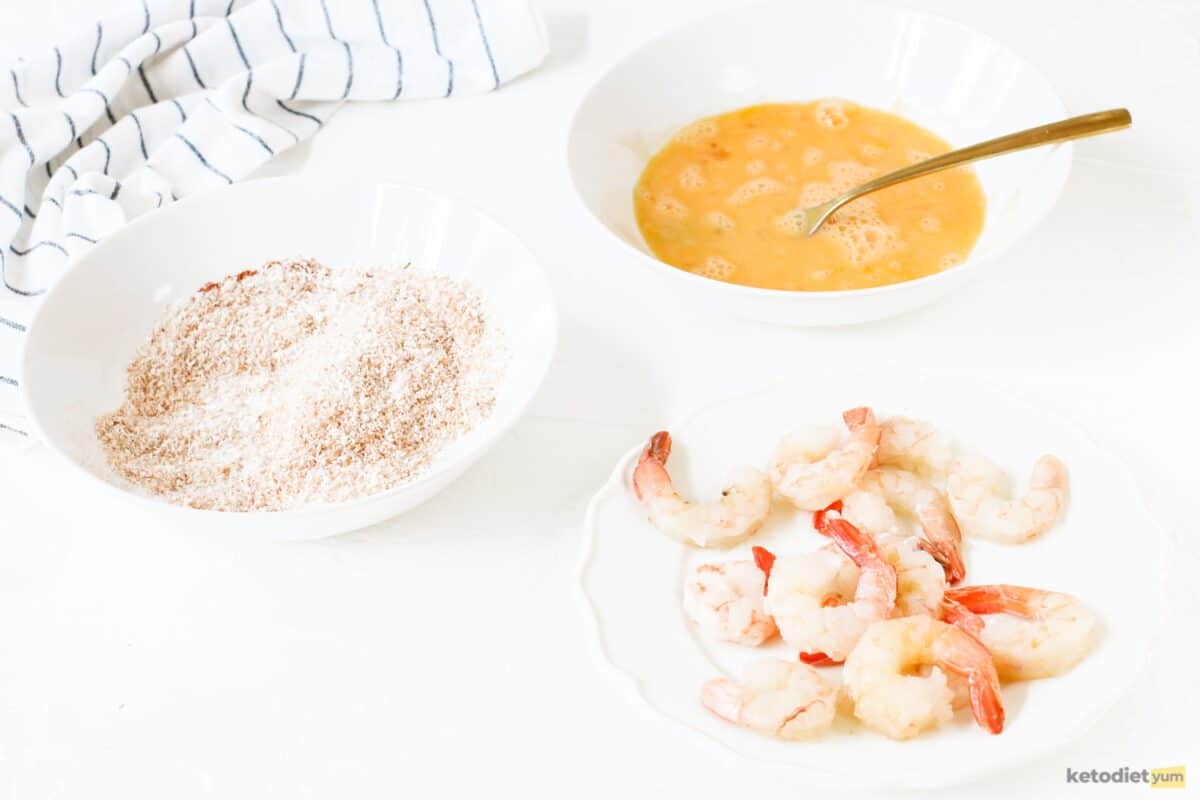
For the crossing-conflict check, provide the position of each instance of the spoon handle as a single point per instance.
(1067, 129)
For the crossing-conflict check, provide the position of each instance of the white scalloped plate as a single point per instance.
(632, 576)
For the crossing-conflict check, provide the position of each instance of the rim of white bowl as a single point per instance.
(972, 262)
(39, 433)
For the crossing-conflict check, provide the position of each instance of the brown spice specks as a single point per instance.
(297, 384)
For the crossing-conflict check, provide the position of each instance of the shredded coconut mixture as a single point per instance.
(298, 384)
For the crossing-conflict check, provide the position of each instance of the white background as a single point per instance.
(445, 654)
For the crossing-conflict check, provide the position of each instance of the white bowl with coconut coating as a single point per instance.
(956, 82)
(104, 308)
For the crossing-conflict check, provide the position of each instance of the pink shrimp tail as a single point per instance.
(949, 557)
(863, 551)
(820, 517)
(961, 617)
(974, 661)
(943, 539)
(651, 467)
(764, 559)
(995, 599)
(818, 659)
(861, 417)
(986, 705)
(659, 448)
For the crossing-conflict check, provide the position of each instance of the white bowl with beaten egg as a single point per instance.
(100, 312)
(958, 83)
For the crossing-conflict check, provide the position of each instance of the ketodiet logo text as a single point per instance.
(1159, 778)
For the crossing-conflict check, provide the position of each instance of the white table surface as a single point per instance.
(445, 654)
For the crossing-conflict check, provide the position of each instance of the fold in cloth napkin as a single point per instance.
(182, 95)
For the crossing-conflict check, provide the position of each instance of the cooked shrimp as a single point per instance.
(897, 677)
(976, 489)
(826, 567)
(1031, 633)
(962, 617)
(809, 597)
(903, 490)
(921, 581)
(741, 511)
(725, 601)
(779, 698)
(914, 445)
(824, 576)
(812, 470)
(826, 572)
(866, 510)
(971, 623)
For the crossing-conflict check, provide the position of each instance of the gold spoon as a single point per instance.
(1073, 128)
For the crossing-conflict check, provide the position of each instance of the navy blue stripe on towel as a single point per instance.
(299, 77)
(279, 21)
(58, 72)
(107, 156)
(202, 159)
(9, 286)
(146, 84)
(349, 70)
(487, 47)
(195, 73)
(16, 290)
(298, 113)
(96, 49)
(107, 111)
(36, 245)
(437, 48)
(328, 21)
(21, 136)
(17, 88)
(141, 136)
(399, 58)
(245, 96)
(237, 43)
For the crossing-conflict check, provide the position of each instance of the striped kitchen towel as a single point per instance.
(176, 96)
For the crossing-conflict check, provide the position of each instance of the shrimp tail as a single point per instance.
(651, 467)
(858, 417)
(949, 557)
(884, 583)
(819, 659)
(764, 559)
(659, 448)
(994, 599)
(974, 661)
(820, 517)
(860, 547)
(986, 705)
(961, 617)
(943, 539)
